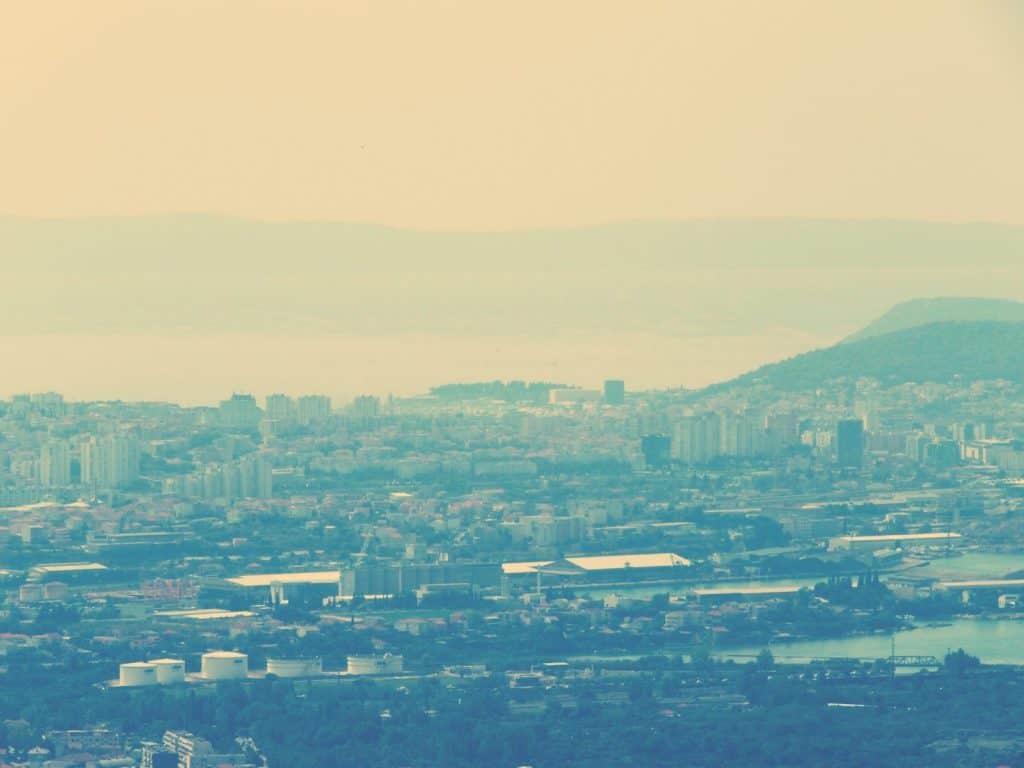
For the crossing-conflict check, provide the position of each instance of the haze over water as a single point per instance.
(200, 370)
(190, 309)
(372, 112)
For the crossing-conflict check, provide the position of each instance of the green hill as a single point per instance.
(946, 309)
(936, 352)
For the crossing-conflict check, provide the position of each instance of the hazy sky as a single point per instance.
(480, 115)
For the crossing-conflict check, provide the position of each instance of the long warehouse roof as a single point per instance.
(68, 567)
(781, 589)
(266, 579)
(980, 583)
(903, 537)
(604, 562)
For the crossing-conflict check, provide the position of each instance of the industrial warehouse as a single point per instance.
(598, 569)
(894, 541)
(425, 579)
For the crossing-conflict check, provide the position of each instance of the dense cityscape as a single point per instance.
(181, 583)
(476, 384)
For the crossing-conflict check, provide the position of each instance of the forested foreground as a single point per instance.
(963, 716)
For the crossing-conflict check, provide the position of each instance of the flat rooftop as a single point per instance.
(31, 507)
(616, 562)
(901, 537)
(203, 614)
(68, 567)
(603, 562)
(531, 566)
(978, 583)
(266, 579)
(782, 589)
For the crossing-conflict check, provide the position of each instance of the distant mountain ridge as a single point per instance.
(945, 309)
(735, 277)
(936, 352)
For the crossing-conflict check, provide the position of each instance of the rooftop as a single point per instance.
(524, 567)
(68, 567)
(782, 589)
(603, 562)
(903, 537)
(980, 583)
(204, 614)
(266, 579)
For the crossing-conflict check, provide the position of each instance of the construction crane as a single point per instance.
(370, 534)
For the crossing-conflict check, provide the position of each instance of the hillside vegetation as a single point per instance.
(945, 309)
(936, 352)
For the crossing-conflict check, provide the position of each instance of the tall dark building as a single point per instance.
(615, 392)
(657, 450)
(850, 443)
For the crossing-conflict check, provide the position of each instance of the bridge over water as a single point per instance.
(921, 662)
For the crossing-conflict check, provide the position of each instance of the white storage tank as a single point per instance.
(388, 664)
(137, 673)
(295, 667)
(169, 671)
(30, 593)
(56, 590)
(225, 665)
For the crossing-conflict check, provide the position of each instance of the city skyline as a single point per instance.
(473, 383)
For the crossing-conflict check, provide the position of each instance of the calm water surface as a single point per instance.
(993, 641)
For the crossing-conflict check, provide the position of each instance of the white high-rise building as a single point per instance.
(48, 403)
(743, 435)
(365, 407)
(55, 464)
(250, 477)
(111, 461)
(255, 476)
(264, 477)
(92, 463)
(280, 407)
(240, 412)
(313, 409)
(697, 439)
(212, 482)
(230, 481)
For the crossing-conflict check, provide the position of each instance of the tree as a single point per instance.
(765, 659)
(701, 659)
(959, 662)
